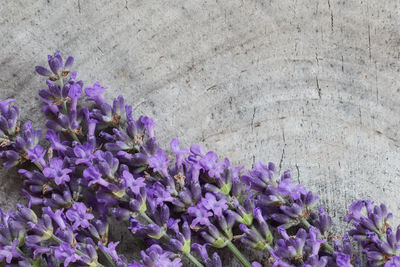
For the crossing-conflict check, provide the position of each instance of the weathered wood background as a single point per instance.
(313, 86)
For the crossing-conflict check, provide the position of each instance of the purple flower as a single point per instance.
(200, 214)
(79, 215)
(286, 187)
(37, 155)
(32, 200)
(4, 105)
(343, 260)
(156, 256)
(10, 158)
(180, 153)
(197, 150)
(215, 261)
(55, 141)
(322, 221)
(210, 163)
(110, 249)
(9, 121)
(17, 151)
(211, 203)
(260, 177)
(93, 175)
(57, 171)
(56, 66)
(156, 195)
(134, 184)
(355, 211)
(9, 252)
(74, 93)
(54, 96)
(159, 162)
(83, 154)
(304, 247)
(64, 252)
(58, 216)
(95, 94)
(393, 262)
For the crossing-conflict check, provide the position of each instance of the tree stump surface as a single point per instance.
(310, 85)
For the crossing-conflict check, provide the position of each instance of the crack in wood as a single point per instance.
(318, 88)
(298, 174)
(252, 119)
(329, 6)
(283, 150)
(369, 42)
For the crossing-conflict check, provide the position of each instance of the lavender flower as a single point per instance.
(210, 163)
(298, 250)
(159, 162)
(260, 238)
(17, 151)
(65, 252)
(134, 184)
(9, 122)
(373, 231)
(57, 171)
(56, 66)
(215, 261)
(79, 215)
(95, 93)
(103, 162)
(155, 256)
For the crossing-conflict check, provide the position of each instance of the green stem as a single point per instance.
(238, 254)
(147, 218)
(64, 106)
(108, 257)
(38, 165)
(328, 247)
(74, 136)
(61, 79)
(21, 252)
(193, 259)
(305, 223)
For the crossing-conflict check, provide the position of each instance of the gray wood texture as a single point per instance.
(310, 85)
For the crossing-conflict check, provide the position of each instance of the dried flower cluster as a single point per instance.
(103, 165)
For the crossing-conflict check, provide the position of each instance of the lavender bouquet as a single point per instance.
(100, 165)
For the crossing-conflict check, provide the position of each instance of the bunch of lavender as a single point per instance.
(102, 164)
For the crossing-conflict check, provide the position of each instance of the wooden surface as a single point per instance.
(310, 85)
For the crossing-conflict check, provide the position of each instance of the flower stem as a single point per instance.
(37, 164)
(328, 247)
(193, 259)
(305, 223)
(74, 136)
(238, 254)
(147, 218)
(21, 252)
(64, 106)
(108, 257)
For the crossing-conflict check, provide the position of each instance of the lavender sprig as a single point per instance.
(103, 163)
